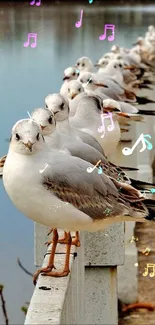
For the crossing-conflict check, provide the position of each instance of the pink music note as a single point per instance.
(79, 22)
(111, 37)
(38, 3)
(34, 44)
(102, 127)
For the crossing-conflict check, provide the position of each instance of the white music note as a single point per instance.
(128, 151)
(90, 169)
(42, 170)
(102, 127)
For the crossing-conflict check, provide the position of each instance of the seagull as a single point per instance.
(107, 86)
(87, 119)
(64, 195)
(57, 104)
(70, 73)
(55, 140)
(84, 64)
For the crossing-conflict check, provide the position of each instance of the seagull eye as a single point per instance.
(120, 65)
(46, 106)
(17, 137)
(37, 137)
(83, 64)
(79, 89)
(74, 74)
(78, 63)
(50, 120)
(62, 106)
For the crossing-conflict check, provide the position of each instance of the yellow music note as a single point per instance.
(146, 270)
(146, 251)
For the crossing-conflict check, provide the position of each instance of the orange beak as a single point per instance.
(123, 114)
(65, 78)
(129, 67)
(111, 109)
(73, 96)
(29, 145)
(42, 127)
(100, 85)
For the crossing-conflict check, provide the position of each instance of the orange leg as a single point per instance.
(50, 265)
(64, 240)
(137, 305)
(76, 240)
(66, 270)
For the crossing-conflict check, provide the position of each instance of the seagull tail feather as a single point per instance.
(140, 185)
(150, 204)
(144, 100)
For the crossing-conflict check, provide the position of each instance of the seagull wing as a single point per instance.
(93, 194)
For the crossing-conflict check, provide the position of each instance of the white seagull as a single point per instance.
(63, 195)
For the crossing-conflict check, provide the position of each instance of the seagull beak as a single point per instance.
(123, 114)
(29, 145)
(73, 96)
(42, 127)
(129, 67)
(65, 78)
(100, 85)
(111, 109)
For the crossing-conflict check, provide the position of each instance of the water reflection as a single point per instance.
(27, 75)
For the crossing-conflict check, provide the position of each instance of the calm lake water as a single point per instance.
(27, 75)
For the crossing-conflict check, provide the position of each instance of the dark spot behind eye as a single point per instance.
(83, 64)
(50, 120)
(46, 106)
(62, 106)
(10, 138)
(115, 66)
(37, 137)
(43, 138)
(17, 136)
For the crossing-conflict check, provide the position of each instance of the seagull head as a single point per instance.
(102, 63)
(110, 105)
(109, 55)
(71, 73)
(74, 88)
(58, 106)
(84, 64)
(45, 119)
(26, 137)
(89, 82)
(115, 49)
(115, 65)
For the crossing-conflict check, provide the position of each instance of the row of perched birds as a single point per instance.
(45, 170)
